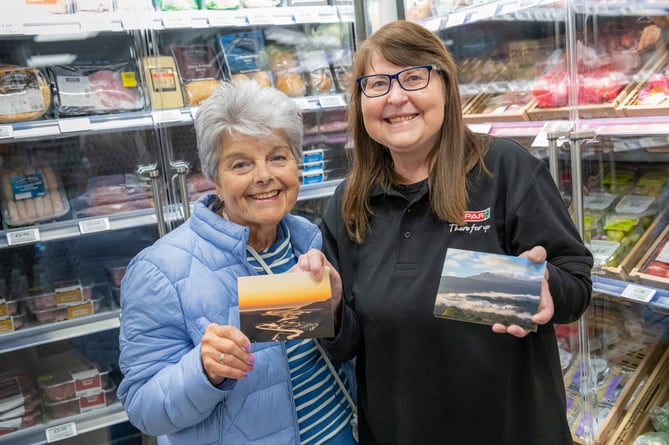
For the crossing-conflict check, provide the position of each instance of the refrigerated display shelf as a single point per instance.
(140, 120)
(160, 20)
(72, 426)
(34, 335)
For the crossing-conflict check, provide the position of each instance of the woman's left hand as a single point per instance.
(314, 261)
(536, 254)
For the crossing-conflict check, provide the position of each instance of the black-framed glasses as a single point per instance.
(410, 79)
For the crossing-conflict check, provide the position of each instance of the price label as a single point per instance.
(222, 19)
(61, 432)
(176, 21)
(302, 103)
(331, 101)
(23, 237)
(485, 11)
(480, 128)
(11, 28)
(638, 293)
(306, 16)
(74, 124)
(260, 19)
(433, 24)
(6, 131)
(171, 115)
(94, 225)
(456, 18)
(98, 23)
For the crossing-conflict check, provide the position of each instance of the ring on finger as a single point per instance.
(221, 357)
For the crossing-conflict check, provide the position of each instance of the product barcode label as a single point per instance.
(61, 432)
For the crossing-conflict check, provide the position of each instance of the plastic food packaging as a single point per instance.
(62, 295)
(76, 310)
(12, 323)
(73, 377)
(245, 56)
(199, 70)
(95, 89)
(32, 195)
(24, 94)
(113, 193)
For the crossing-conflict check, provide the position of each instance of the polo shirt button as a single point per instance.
(407, 235)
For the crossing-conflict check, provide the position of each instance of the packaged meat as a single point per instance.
(80, 404)
(24, 421)
(116, 269)
(93, 89)
(113, 193)
(76, 310)
(16, 389)
(12, 323)
(24, 94)
(80, 380)
(32, 195)
(8, 307)
(63, 294)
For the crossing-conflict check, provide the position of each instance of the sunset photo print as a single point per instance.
(285, 306)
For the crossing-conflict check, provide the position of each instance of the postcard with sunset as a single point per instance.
(286, 306)
(489, 288)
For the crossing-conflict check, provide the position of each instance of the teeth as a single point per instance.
(395, 120)
(266, 195)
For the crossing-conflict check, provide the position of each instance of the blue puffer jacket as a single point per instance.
(170, 293)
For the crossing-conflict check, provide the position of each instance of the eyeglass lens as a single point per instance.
(410, 79)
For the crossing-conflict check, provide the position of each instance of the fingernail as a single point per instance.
(246, 374)
(248, 348)
(252, 359)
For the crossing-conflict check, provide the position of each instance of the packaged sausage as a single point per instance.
(32, 195)
(96, 88)
(24, 94)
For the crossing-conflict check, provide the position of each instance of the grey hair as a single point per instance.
(247, 108)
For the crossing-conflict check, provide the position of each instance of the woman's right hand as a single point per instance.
(225, 353)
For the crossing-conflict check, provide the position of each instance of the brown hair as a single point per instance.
(456, 152)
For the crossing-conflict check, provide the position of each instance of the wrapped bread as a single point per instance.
(24, 94)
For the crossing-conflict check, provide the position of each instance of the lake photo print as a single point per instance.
(489, 288)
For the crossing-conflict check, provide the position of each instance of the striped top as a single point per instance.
(322, 409)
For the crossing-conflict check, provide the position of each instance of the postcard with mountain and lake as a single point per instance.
(489, 288)
(285, 306)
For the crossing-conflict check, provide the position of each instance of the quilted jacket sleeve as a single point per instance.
(164, 388)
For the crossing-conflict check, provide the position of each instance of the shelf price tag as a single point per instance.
(456, 18)
(176, 21)
(94, 225)
(6, 131)
(638, 293)
(221, 19)
(74, 124)
(26, 236)
(259, 18)
(331, 101)
(61, 432)
(484, 11)
(169, 115)
(11, 28)
(306, 16)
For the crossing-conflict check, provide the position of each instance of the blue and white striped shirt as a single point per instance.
(322, 409)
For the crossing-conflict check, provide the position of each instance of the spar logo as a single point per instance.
(477, 215)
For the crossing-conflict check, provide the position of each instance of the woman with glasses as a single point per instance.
(422, 182)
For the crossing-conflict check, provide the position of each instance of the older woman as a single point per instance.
(190, 375)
